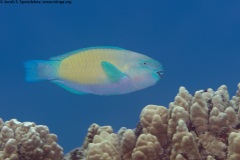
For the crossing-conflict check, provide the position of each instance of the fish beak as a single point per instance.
(160, 73)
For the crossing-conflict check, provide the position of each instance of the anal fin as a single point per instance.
(61, 84)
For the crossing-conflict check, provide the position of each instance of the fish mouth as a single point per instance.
(160, 73)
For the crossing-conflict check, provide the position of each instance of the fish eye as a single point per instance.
(144, 63)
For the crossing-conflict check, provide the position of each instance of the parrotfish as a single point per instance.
(97, 70)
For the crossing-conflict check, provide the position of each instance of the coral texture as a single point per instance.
(203, 126)
(27, 141)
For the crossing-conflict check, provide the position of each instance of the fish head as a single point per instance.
(144, 71)
(152, 67)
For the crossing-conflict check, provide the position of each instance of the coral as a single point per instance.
(104, 146)
(93, 130)
(199, 111)
(27, 141)
(234, 146)
(76, 154)
(154, 120)
(203, 126)
(147, 148)
(184, 143)
(127, 140)
(212, 145)
(179, 109)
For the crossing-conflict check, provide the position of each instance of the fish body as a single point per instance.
(97, 70)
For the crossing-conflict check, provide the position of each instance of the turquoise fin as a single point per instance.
(37, 70)
(63, 56)
(60, 83)
(113, 73)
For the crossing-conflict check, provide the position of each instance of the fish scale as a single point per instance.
(82, 71)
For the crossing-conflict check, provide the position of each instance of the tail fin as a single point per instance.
(37, 70)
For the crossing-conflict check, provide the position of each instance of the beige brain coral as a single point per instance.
(93, 130)
(184, 143)
(203, 126)
(147, 148)
(154, 120)
(104, 147)
(199, 112)
(179, 109)
(127, 139)
(28, 141)
(234, 146)
(212, 145)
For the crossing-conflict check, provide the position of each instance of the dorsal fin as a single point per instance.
(63, 56)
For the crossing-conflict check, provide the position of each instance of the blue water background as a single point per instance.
(198, 43)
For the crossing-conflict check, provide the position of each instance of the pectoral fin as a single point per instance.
(113, 73)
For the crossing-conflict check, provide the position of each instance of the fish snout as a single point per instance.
(160, 73)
